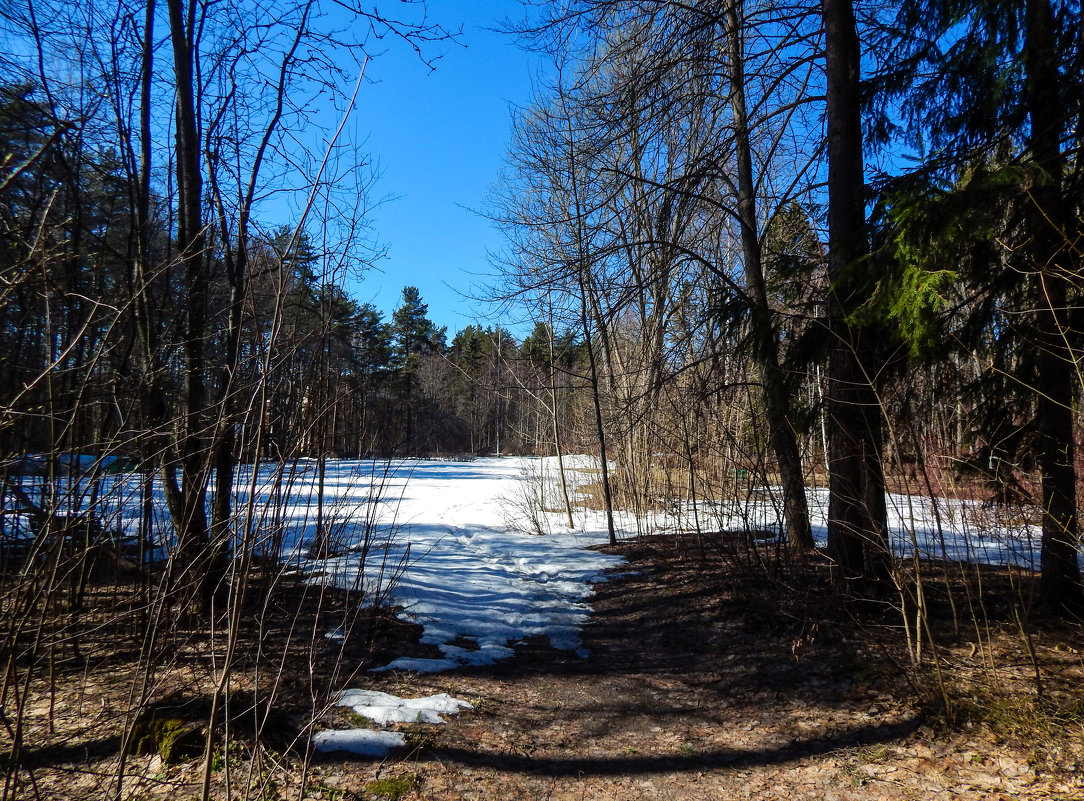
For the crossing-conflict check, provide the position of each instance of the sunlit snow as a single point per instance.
(383, 708)
(455, 546)
(473, 573)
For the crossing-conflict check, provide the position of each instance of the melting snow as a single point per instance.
(455, 546)
(475, 582)
(363, 742)
(384, 709)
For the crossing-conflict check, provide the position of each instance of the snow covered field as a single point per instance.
(454, 543)
(456, 546)
(467, 571)
(461, 539)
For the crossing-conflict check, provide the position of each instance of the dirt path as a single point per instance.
(704, 680)
(696, 687)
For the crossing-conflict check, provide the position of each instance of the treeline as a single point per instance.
(94, 336)
(94, 323)
(336, 377)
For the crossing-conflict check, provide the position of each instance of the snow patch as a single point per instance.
(383, 708)
(466, 573)
(418, 665)
(363, 742)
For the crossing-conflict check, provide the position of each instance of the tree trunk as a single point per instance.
(600, 428)
(1060, 580)
(557, 428)
(765, 344)
(190, 516)
(856, 507)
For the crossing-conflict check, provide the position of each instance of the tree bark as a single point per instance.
(1060, 584)
(856, 508)
(190, 518)
(765, 344)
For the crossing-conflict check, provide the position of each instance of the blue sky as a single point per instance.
(439, 138)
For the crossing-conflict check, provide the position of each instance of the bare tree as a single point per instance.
(155, 346)
(663, 121)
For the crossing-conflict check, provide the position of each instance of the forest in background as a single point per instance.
(759, 243)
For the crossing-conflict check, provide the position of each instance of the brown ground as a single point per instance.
(706, 680)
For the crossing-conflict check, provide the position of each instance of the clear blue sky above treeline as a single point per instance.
(439, 139)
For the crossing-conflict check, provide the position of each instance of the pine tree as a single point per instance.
(413, 336)
(995, 91)
(412, 332)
